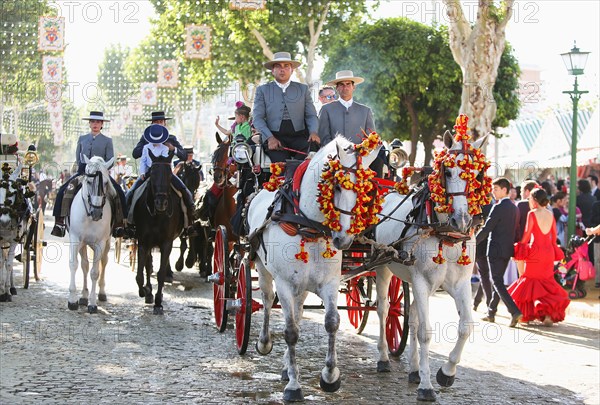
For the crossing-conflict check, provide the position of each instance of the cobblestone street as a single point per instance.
(125, 354)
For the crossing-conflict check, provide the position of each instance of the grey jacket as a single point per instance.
(101, 146)
(269, 102)
(335, 119)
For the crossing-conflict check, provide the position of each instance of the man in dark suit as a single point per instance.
(92, 144)
(485, 288)
(523, 205)
(501, 227)
(593, 179)
(158, 117)
(284, 113)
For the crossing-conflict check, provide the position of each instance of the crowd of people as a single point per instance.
(526, 228)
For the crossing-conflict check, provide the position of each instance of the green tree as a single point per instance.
(411, 82)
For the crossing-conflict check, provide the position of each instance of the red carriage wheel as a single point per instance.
(359, 296)
(573, 294)
(243, 315)
(396, 324)
(220, 278)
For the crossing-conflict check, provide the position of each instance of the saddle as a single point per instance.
(137, 193)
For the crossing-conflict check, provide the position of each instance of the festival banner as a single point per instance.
(54, 106)
(52, 69)
(57, 130)
(135, 108)
(149, 94)
(168, 73)
(247, 4)
(51, 33)
(197, 42)
(53, 92)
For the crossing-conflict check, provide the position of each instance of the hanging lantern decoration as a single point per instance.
(149, 94)
(51, 33)
(168, 73)
(52, 69)
(247, 4)
(197, 42)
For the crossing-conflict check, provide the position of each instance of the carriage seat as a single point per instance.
(260, 158)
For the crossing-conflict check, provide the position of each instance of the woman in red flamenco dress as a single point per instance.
(536, 293)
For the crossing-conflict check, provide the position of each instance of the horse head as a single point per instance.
(160, 180)
(222, 167)
(344, 191)
(96, 183)
(460, 170)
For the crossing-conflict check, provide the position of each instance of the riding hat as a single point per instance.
(121, 157)
(156, 134)
(96, 116)
(188, 149)
(158, 115)
(281, 57)
(345, 75)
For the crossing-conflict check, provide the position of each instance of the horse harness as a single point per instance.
(98, 181)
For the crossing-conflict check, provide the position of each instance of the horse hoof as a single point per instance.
(13, 291)
(330, 387)
(189, 263)
(384, 367)
(443, 379)
(149, 299)
(284, 375)
(102, 297)
(92, 309)
(293, 395)
(73, 306)
(169, 279)
(158, 311)
(83, 302)
(5, 297)
(142, 293)
(179, 265)
(264, 353)
(427, 395)
(414, 378)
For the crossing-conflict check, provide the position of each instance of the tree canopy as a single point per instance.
(411, 82)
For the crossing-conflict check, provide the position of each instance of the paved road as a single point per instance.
(125, 354)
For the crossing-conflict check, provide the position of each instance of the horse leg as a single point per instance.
(101, 280)
(413, 354)
(191, 257)
(292, 391)
(182, 249)
(143, 292)
(330, 375)
(74, 247)
(421, 290)
(94, 275)
(149, 272)
(165, 252)
(4, 276)
(461, 292)
(85, 267)
(382, 285)
(264, 345)
(9, 268)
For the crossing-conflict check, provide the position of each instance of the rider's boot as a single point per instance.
(59, 227)
(118, 231)
(191, 213)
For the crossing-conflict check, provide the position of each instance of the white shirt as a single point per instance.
(158, 149)
(283, 86)
(345, 103)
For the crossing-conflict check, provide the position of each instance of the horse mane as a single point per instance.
(218, 154)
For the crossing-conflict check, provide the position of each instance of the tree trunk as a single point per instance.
(414, 129)
(478, 50)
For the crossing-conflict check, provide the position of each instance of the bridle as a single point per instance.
(98, 181)
(163, 195)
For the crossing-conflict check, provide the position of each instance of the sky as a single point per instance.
(539, 32)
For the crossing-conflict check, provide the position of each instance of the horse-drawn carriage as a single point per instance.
(22, 219)
(401, 250)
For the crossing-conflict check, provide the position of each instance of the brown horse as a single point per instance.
(224, 169)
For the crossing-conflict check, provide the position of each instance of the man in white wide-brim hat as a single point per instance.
(347, 117)
(284, 112)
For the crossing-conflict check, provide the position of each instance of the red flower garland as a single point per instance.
(303, 255)
(276, 180)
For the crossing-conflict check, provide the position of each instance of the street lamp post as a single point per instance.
(575, 63)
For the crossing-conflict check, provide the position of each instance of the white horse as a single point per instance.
(90, 225)
(293, 278)
(426, 276)
(12, 227)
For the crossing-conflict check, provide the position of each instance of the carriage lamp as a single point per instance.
(574, 61)
(242, 152)
(397, 158)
